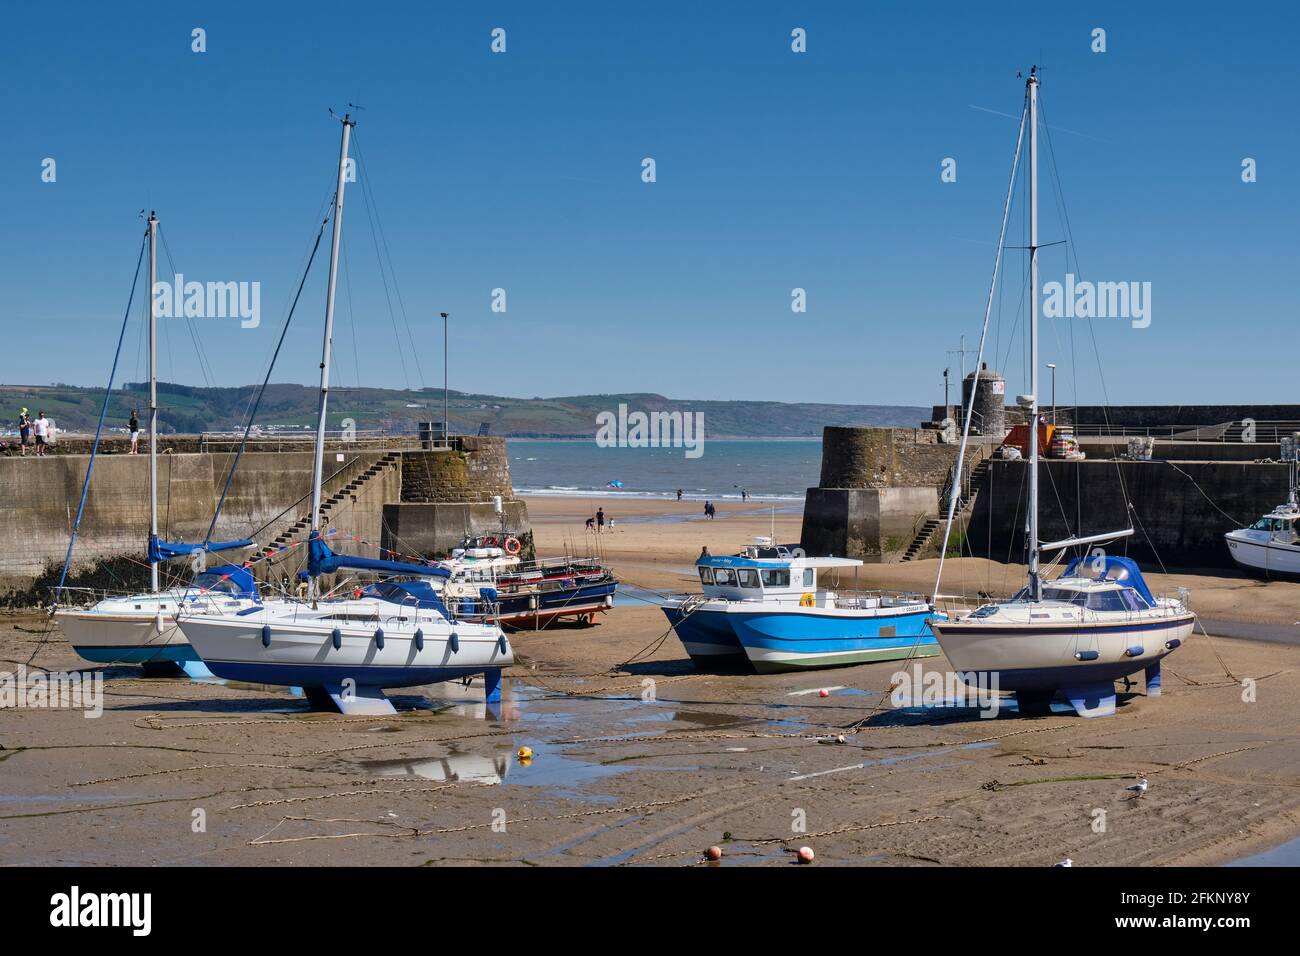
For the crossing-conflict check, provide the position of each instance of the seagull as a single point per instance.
(1139, 788)
(1066, 862)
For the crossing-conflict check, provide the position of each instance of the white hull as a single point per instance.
(138, 629)
(1255, 551)
(294, 645)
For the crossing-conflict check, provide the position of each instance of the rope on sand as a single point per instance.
(331, 796)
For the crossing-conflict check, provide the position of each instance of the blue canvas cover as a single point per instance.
(1113, 568)
(321, 560)
(160, 550)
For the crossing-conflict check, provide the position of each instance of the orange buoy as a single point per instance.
(713, 854)
(805, 854)
(511, 546)
(823, 693)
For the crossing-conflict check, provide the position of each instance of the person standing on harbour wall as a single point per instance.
(134, 427)
(42, 428)
(24, 431)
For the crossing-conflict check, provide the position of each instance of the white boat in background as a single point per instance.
(141, 628)
(1098, 622)
(1270, 548)
(344, 653)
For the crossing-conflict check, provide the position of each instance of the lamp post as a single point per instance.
(1053, 368)
(446, 425)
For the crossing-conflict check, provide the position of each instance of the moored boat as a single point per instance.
(1270, 548)
(766, 609)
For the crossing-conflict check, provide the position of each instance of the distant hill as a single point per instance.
(190, 409)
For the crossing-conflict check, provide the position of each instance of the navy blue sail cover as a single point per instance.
(1113, 568)
(321, 560)
(229, 577)
(160, 550)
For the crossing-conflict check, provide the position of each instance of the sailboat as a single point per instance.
(141, 628)
(345, 653)
(1270, 548)
(1096, 623)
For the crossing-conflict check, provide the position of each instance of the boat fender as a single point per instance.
(501, 643)
(1173, 643)
(158, 622)
(379, 638)
(419, 639)
(511, 545)
(266, 635)
(1136, 650)
(454, 642)
(808, 600)
(1086, 655)
(337, 636)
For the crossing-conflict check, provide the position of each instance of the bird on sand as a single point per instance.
(1138, 789)
(1066, 862)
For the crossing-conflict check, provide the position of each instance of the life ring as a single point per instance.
(490, 541)
(808, 600)
(511, 546)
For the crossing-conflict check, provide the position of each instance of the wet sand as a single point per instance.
(650, 762)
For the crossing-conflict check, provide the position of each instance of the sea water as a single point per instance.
(764, 469)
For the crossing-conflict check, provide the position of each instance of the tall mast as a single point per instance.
(153, 398)
(318, 466)
(1035, 585)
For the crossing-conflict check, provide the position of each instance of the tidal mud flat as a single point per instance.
(647, 764)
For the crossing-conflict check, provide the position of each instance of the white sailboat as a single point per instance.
(1095, 624)
(1270, 548)
(344, 653)
(141, 628)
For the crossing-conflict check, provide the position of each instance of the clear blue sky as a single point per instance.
(775, 170)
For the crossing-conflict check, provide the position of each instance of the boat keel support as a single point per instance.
(492, 685)
(352, 701)
(1152, 674)
(1092, 700)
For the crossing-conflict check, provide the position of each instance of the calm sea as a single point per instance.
(766, 469)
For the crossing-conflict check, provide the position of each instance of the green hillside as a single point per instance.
(190, 409)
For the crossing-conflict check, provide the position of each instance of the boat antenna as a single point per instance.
(318, 465)
(969, 411)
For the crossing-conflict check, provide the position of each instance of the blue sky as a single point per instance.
(775, 170)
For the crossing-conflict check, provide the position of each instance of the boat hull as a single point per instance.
(708, 638)
(124, 639)
(795, 638)
(1043, 659)
(302, 653)
(1264, 558)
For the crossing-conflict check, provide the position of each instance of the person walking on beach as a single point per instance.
(600, 520)
(744, 495)
(679, 494)
(42, 428)
(134, 427)
(708, 510)
(24, 431)
(591, 524)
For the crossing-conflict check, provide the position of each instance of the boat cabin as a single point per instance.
(767, 572)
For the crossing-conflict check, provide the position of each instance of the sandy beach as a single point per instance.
(638, 759)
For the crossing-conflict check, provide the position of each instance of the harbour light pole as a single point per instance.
(446, 425)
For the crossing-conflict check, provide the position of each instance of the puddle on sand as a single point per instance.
(1288, 854)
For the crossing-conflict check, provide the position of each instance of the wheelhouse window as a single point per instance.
(1063, 594)
(724, 577)
(1132, 600)
(809, 578)
(706, 575)
(748, 577)
(776, 577)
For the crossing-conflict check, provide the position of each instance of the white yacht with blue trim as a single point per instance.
(766, 610)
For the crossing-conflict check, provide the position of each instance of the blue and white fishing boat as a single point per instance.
(769, 609)
(1098, 622)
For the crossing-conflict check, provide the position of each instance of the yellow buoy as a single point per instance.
(525, 753)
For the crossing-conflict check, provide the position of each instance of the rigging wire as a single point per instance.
(99, 427)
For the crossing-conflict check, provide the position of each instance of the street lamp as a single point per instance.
(446, 425)
(1053, 368)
